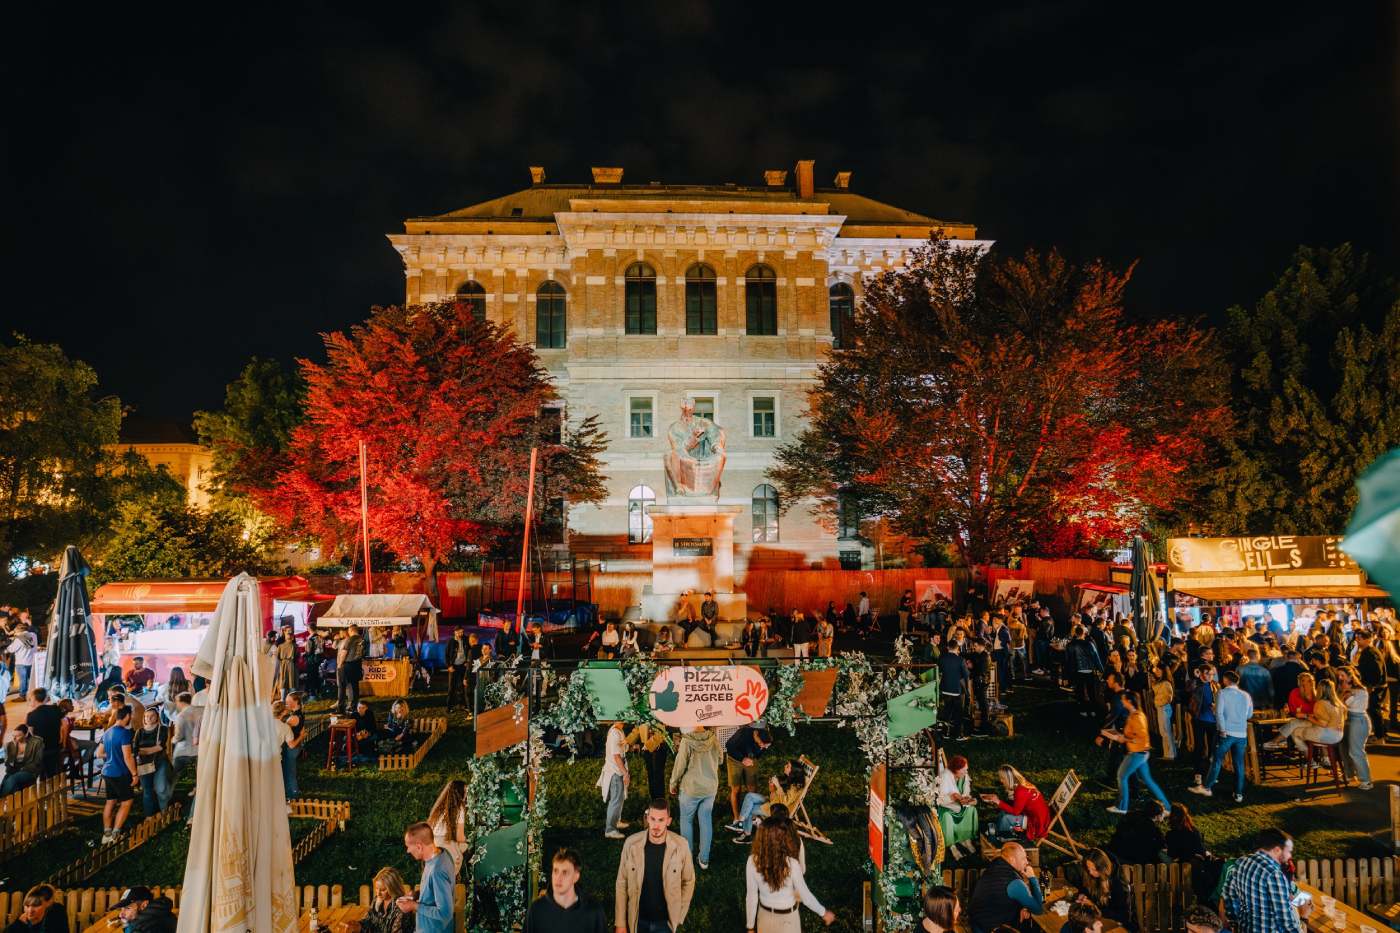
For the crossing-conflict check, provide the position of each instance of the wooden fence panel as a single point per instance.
(30, 814)
(432, 730)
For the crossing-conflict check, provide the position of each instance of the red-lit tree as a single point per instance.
(448, 407)
(1005, 406)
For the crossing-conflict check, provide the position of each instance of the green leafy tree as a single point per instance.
(1316, 373)
(1006, 406)
(53, 426)
(252, 431)
(153, 540)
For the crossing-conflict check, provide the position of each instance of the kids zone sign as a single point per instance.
(684, 697)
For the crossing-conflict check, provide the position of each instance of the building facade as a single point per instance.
(173, 446)
(641, 298)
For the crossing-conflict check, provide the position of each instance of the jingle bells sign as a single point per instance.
(730, 695)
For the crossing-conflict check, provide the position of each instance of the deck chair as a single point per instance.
(1058, 837)
(798, 815)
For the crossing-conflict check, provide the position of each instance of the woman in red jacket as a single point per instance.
(1025, 815)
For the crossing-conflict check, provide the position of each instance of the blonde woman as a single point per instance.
(1300, 704)
(826, 636)
(1328, 717)
(1023, 813)
(384, 915)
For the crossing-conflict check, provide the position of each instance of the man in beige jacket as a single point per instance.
(655, 877)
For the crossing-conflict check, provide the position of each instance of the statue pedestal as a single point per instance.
(692, 548)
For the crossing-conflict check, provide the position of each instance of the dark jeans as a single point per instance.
(979, 694)
(17, 780)
(955, 715)
(1205, 745)
(1375, 707)
(347, 681)
(656, 771)
(1084, 684)
(456, 687)
(653, 926)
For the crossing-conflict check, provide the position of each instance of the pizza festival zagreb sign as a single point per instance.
(685, 697)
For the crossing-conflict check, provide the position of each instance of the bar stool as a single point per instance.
(341, 729)
(1334, 758)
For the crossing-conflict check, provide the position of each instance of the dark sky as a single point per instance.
(180, 195)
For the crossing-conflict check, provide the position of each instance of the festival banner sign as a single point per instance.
(1257, 554)
(1008, 590)
(928, 591)
(728, 695)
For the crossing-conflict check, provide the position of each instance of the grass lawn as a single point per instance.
(1049, 740)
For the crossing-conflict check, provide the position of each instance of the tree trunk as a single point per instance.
(430, 579)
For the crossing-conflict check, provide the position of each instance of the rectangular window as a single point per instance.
(639, 420)
(850, 560)
(701, 316)
(765, 417)
(705, 407)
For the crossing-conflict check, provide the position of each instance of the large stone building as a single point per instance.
(172, 445)
(640, 297)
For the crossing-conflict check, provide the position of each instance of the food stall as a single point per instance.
(164, 621)
(382, 612)
(1284, 580)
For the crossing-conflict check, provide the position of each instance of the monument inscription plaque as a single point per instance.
(693, 547)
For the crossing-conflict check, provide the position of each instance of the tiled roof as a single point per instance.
(542, 202)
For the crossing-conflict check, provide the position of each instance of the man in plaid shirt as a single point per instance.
(1258, 895)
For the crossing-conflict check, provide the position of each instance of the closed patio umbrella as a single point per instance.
(238, 873)
(71, 669)
(1144, 591)
(1373, 537)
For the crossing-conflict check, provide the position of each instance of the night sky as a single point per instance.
(181, 194)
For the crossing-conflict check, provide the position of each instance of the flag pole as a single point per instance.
(364, 514)
(525, 551)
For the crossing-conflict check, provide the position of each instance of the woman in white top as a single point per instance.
(1358, 727)
(774, 886)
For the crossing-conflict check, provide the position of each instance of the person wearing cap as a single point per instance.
(143, 912)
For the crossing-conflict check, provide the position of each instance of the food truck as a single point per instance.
(1281, 580)
(165, 621)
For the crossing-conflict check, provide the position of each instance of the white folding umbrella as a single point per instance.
(238, 874)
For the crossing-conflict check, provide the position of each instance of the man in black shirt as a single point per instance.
(952, 684)
(562, 909)
(1370, 664)
(46, 721)
(459, 659)
(741, 753)
(1285, 676)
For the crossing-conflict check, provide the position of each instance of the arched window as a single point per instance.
(700, 314)
(473, 296)
(761, 300)
(843, 313)
(765, 514)
(640, 299)
(639, 500)
(551, 317)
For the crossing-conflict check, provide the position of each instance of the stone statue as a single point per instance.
(695, 461)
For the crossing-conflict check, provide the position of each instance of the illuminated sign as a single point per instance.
(1257, 554)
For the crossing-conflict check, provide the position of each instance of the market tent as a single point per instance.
(366, 610)
(70, 671)
(238, 873)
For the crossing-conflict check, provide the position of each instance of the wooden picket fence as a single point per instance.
(32, 813)
(431, 730)
(313, 728)
(86, 906)
(1161, 894)
(332, 815)
(98, 859)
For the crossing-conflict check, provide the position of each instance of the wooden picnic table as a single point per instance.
(1254, 765)
(1341, 918)
(1051, 922)
(331, 918)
